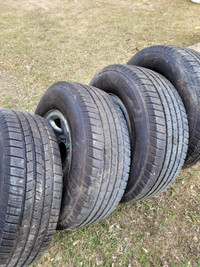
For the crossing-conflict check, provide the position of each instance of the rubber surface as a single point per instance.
(30, 187)
(181, 66)
(100, 152)
(159, 128)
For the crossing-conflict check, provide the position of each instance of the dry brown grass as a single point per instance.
(44, 41)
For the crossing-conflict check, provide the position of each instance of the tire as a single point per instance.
(100, 151)
(158, 127)
(181, 66)
(30, 187)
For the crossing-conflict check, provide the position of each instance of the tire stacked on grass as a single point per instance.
(181, 66)
(158, 127)
(95, 181)
(30, 187)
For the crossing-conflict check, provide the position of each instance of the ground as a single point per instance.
(42, 42)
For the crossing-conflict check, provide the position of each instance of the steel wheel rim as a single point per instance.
(62, 130)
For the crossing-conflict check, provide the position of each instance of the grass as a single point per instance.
(42, 42)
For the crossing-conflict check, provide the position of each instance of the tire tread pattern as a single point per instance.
(31, 177)
(164, 125)
(108, 150)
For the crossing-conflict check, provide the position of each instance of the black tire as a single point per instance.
(30, 187)
(100, 158)
(158, 122)
(181, 66)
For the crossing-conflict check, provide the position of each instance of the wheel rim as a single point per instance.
(62, 130)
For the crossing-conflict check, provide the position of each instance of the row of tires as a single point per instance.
(124, 137)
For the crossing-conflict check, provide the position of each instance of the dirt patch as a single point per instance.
(196, 47)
